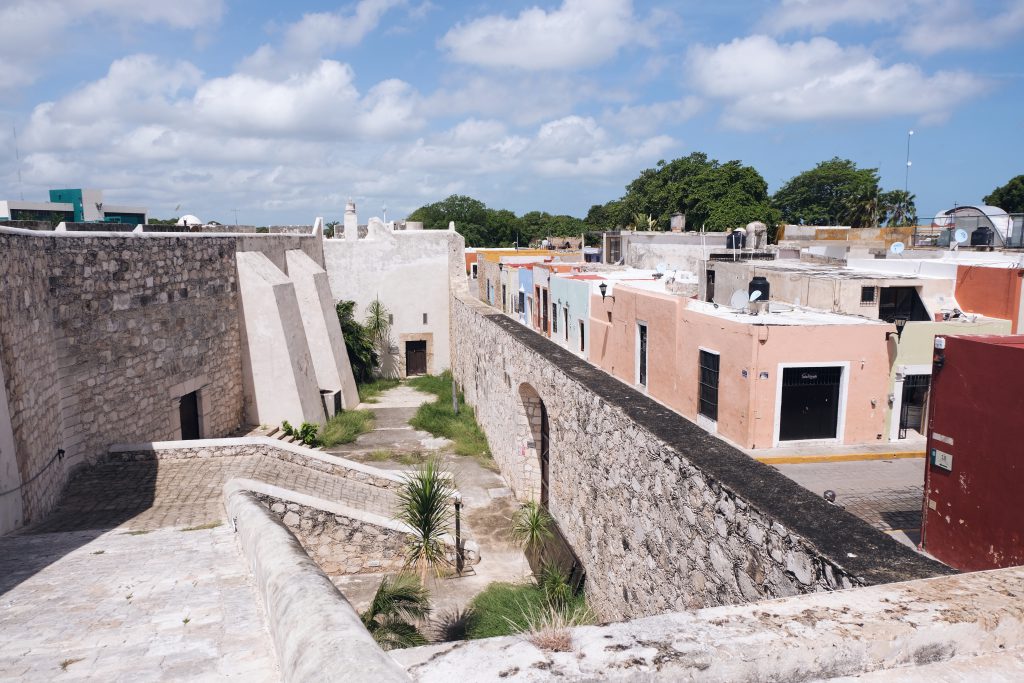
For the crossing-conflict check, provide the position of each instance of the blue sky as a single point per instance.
(284, 110)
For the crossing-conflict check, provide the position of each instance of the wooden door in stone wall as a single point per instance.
(415, 358)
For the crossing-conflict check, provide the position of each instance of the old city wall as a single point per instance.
(662, 515)
(101, 334)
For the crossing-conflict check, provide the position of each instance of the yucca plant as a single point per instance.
(378, 326)
(531, 525)
(398, 601)
(424, 503)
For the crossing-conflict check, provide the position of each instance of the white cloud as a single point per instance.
(315, 35)
(33, 30)
(580, 33)
(762, 81)
(645, 119)
(955, 25)
(923, 26)
(819, 15)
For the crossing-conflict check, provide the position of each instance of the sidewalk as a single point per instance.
(913, 447)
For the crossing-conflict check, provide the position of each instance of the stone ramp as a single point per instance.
(153, 494)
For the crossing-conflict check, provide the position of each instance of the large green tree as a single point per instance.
(835, 192)
(711, 194)
(1009, 197)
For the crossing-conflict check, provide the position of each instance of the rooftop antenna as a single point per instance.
(385, 209)
(17, 159)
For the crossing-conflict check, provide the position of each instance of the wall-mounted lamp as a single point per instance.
(501, 266)
(900, 322)
(603, 287)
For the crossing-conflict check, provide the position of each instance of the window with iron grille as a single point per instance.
(867, 295)
(709, 385)
(554, 318)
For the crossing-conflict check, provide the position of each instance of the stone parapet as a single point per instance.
(316, 633)
(663, 515)
(966, 627)
(257, 445)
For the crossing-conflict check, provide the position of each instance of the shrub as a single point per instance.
(398, 601)
(424, 503)
(346, 426)
(531, 525)
(306, 434)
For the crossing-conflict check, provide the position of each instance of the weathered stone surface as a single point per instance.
(639, 492)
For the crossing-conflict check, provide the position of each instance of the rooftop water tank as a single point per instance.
(759, 284)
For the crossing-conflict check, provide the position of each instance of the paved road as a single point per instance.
(885, 493)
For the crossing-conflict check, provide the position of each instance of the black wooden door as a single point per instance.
(915, 394)
(544, 454)
(810, 403)
(415, 358)
(188, 411)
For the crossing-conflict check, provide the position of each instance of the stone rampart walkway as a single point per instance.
(122, 606)
(179, 493)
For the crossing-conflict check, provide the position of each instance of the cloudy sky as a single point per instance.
(283, 110)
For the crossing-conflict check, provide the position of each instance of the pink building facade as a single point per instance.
(787, 377)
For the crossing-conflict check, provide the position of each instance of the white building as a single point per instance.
(412, 272)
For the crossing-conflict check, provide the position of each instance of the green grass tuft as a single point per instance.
(345, 427)
(369, 391)
(439, 419)
(503, 609)
(403, 457)
(203, 527)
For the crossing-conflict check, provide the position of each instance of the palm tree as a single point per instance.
(898, 208)
(861, 210)
(424, 503)
(378, 326)
(531, 526)
(398, 601)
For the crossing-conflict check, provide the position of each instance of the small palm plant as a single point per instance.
(531, 526)
(424, 503)
(378, 327)
(398, 601)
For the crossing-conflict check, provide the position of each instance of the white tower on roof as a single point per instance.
(351, 222)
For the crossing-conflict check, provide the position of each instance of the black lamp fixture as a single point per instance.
(900, 322)
(459, 559)
(603, 287)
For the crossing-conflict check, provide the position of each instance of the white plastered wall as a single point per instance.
(323, 331)
(278, 377)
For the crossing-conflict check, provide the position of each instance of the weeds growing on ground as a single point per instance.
(369, 391)
(203, 527)
(68, 662)
(345, 427)
(403, 457)
(440, 419)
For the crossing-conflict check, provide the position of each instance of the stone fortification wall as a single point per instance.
(101, 334)
(662, 515)
(31, 378)
(341, 544)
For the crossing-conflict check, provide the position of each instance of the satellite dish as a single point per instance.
(960, 235)
(738, 300)
(755, 295)
(897, 248)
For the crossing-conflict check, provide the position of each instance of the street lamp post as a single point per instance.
(906, 177)
(458, 534)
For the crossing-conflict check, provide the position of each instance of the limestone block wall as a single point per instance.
(663, 515)
(101, 334)
(340, 544)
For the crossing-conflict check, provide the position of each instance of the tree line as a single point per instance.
(710, 195)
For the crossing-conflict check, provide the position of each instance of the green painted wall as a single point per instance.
(73, 197)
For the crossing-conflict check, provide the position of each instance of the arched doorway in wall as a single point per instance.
(535, 439)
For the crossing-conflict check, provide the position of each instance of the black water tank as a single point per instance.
(759, 284)
(736, 240)
(982, 236)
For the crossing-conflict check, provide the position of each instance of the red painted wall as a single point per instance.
(994, 292)
(974, 514)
